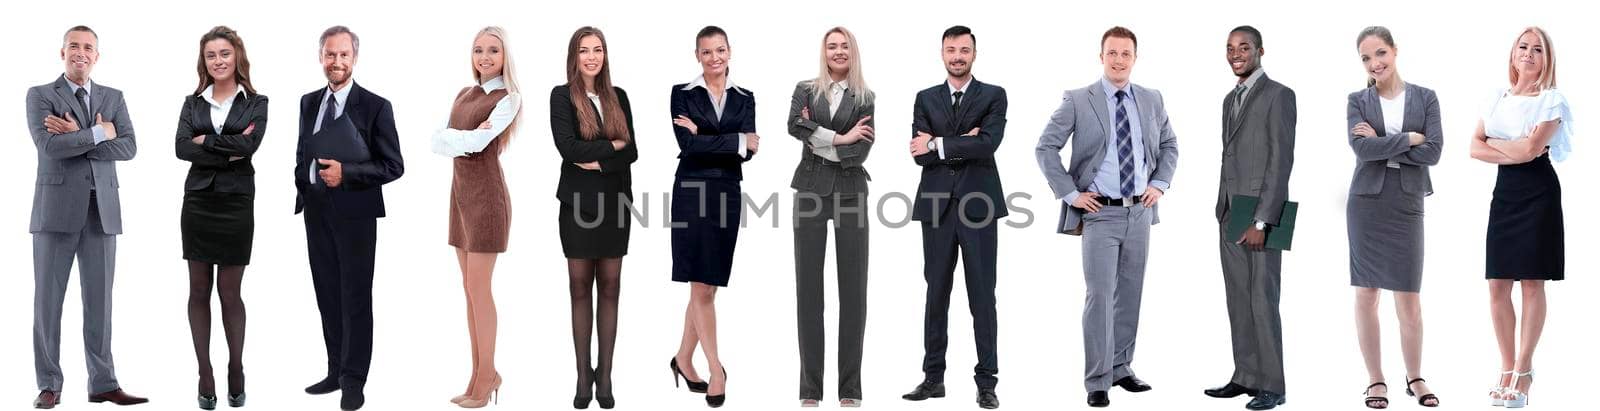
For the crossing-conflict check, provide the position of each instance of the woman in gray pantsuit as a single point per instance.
(831, 115)
(1396, 135)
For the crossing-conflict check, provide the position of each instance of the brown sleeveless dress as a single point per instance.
(480, 205)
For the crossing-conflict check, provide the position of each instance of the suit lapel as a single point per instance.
(820, 113)
(708, 108)
(97, 102)
(1416, 113)
(1374, 103)
(1147, 126)
(1250, 97)
(240, 105)
(841, 118)
(1101, 112)
(200, 114)
(951, 121)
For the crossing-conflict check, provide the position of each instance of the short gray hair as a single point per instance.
(355, 41)
(77, 29)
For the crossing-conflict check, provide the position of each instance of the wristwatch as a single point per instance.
(931, 146)
(1261, 226)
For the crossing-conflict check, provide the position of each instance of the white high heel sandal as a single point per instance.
(1518, 399)
(1497, 392)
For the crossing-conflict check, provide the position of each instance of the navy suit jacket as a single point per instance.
(968, 168)
(360, 195)
(713, 152)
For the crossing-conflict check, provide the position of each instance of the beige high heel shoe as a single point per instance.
(494, 395)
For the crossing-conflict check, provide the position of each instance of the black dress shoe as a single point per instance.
(987, 400)
(1229, 391)
(117, 397)
(47, 400)
(327, 385)
(1131, 384)
(351, 399)
(1099, 399)
(1265, 400)
(925, 390)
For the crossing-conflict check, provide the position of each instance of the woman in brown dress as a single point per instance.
(482, 121)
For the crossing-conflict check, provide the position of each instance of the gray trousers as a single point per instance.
(53, 253)
(1252, 280)
(1116, 244)
(849, 216)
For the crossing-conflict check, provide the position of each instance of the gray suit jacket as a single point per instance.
(71, 164)
(1258, 150)
(1373, 154)
(1085, 119)
(818, 175)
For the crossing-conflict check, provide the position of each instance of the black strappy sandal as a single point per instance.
(1423, 400)
(1376, 402)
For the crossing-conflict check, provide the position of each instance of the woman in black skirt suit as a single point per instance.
(715, 123)
(1522, 129)
(219, 130)
(593, 127)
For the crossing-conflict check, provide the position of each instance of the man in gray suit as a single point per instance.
(1258, 119)
(80, 129)
(1123, 157)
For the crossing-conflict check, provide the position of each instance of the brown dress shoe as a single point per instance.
(118, 397)
(47, 399)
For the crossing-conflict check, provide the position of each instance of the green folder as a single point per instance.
(1241, 215)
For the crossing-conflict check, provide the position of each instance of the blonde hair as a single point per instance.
(854, 77)
(1547, 77)
(508, 72)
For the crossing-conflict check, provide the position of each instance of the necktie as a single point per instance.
(1124, 146)
(328, 114)
(83, 105)
(1238, 101)
(956, 107)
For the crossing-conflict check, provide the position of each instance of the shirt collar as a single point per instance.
(207, 95)
(1250, 82)
(840, 86)
(343, 95)
(701, 83)
(496, 83)
(964, 87)
(88, 86)
(1111, 90)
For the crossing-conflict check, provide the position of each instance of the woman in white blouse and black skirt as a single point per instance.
(1522, 129)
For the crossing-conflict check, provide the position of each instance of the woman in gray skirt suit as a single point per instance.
(1396, 135)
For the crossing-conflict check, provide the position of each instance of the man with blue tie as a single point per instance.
(342, 199)
(81, 129)
(1123, 158)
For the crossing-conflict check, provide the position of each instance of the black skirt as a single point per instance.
(589, 233)
(703, 238)
(1526, 240)
(217, 227)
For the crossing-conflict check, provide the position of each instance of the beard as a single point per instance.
(958, 71)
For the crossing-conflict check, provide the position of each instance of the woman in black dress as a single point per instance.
(219, 130)
(1522, 130)
(592, 123)
(715, 123)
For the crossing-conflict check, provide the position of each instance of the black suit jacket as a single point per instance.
(361, 193)
(614, 177)
(209, 168)
(968, 168)
(713, 152)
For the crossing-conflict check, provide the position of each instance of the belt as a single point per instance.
(1120, 202)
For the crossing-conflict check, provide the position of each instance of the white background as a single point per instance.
(416, 56)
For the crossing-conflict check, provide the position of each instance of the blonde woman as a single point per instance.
(831, 115)
(1522, 129)
(482, 121)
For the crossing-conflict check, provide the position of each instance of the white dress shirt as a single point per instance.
(220, 109)
(1394, 117)
(821, 141)
(451, 142)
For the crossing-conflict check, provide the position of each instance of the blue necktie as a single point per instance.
(1124, 146)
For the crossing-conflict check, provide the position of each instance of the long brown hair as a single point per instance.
(589, 127)
(241, 63)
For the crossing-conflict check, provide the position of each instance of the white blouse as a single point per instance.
(220, 109)
(1394, 117)
(1511, 117)
(451, 142)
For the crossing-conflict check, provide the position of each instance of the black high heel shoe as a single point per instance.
(715, 401)
(236, 400)
(606, 401)
(207, 402)
(581, 401)
(677, 373)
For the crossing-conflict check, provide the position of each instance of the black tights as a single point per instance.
(228, 278)
(583, 275)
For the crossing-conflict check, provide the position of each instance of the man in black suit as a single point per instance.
(958, 126)
(342, 202)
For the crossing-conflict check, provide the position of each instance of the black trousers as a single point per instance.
(849, 221)
(976, 243)
(342, 251)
